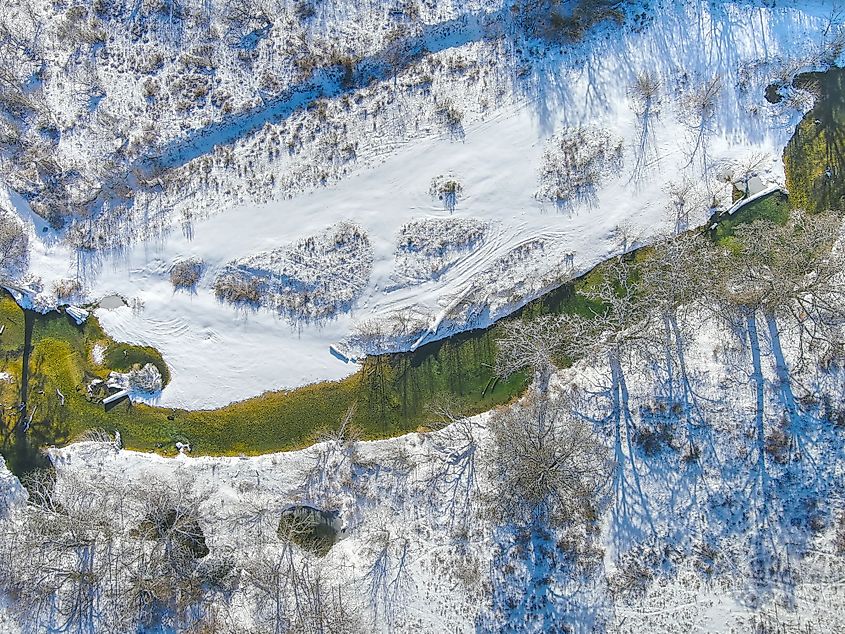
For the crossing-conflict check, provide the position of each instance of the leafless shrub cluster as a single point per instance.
(575, 162)
(312, 279)
(67, 289)
(451, 116)
(561, 22)
(428, 247)
(292, 594)
(447, 189)
(238, 289)
(186, 273)
(398, 330)
(644, 93)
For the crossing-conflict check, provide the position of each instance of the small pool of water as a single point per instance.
(110, 302)
(310, 528)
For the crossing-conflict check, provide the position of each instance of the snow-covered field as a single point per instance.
(219, 353)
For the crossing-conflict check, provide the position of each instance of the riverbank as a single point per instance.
(390, 394)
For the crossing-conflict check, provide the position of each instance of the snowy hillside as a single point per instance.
(157, 132)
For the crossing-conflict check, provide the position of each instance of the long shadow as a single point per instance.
(547, 590)
(324, 83)
(22, 455)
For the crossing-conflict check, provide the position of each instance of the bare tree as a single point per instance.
(699, 111)
(387, 576)
(671, 278)
(290, 595)
(452, 464)
(619, 329)
(537, 344)
(644, 95)
(173, 542)
(547, 466)
(784, 270)
(684, 197)
(67, 557)
(14, 243)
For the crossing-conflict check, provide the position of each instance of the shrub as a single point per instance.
(450, 115)
(839, 538)
(653, 440)
(777, 445)
(446, 189)
(237, 289)
(187, 273)
(309, 528)
(67, 289)
(575, 161)
(304, 10)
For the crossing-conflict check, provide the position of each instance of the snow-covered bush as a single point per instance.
(451, 115)
(312, 279)
(236, 288)
(428, 247)
(644, 93)
(67, 289)
(560, 22)
(397, 331)
(447, 189)
(144, 379)
(186, 273)
(576, 161)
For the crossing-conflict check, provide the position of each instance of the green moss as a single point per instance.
(123, 357)
(11, 320)
(774, 207)
(815, 156)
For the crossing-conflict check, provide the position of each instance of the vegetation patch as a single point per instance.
(309, 528)
(314, 278)
(773, 208)
(575, 162)
(815, 156)
(186, 273)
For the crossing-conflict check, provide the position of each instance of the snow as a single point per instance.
(220, 353)
(11, 492)
(98, 353)
(79, 314)
(143, 380)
